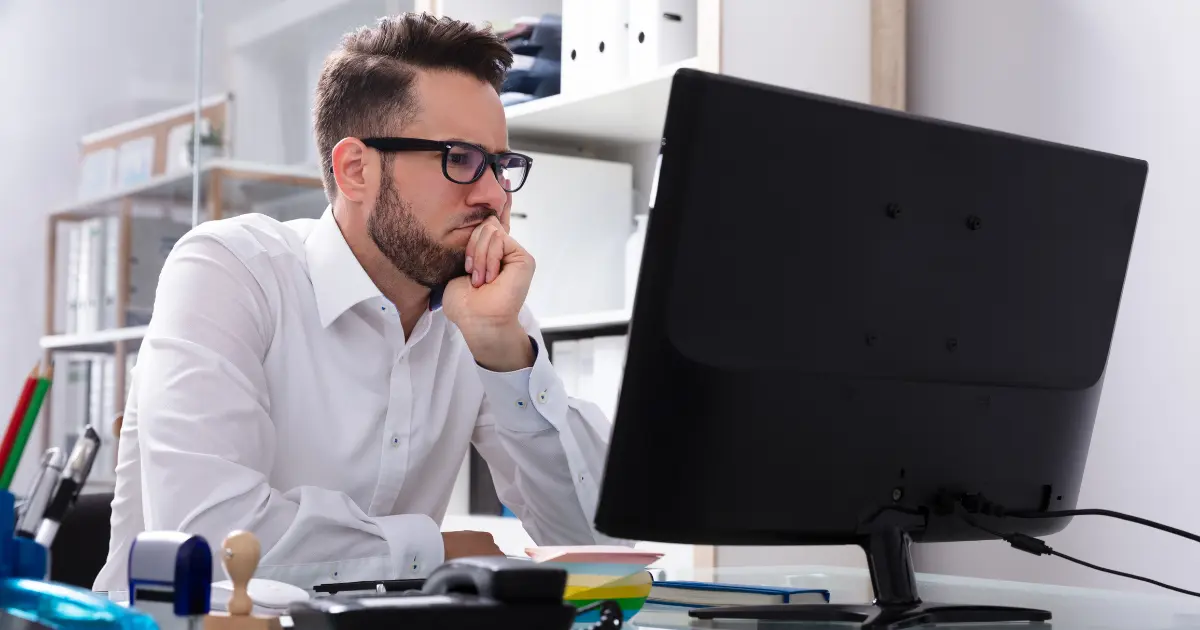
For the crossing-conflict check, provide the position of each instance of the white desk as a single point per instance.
(1073, 608)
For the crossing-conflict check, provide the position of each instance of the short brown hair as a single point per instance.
(367, 82)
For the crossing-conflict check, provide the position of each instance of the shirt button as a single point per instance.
(543, 397)
(415, 567)
(520, 404)
(395, 440)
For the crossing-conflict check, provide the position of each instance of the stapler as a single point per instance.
(481, 593)
(170, 574)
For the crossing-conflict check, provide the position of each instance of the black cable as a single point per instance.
(1038, 547)
(1124, 575)
(1109, 513)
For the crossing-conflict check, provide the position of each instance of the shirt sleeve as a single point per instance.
(207, 440)
(544, 449)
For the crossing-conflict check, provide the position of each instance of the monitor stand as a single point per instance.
(896, 602)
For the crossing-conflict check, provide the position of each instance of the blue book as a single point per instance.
(705, 594)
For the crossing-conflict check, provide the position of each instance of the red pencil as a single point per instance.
(14, 425)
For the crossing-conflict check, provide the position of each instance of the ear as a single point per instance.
(353, 167)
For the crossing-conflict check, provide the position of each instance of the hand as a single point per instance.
(485, 304)
(467, 544)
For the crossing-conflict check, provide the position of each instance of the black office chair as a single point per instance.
(81, 546)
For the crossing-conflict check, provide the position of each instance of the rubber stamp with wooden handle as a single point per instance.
(240, 552)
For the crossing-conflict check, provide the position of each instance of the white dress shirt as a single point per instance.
(275, 392)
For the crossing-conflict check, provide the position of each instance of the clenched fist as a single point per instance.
(485, 304)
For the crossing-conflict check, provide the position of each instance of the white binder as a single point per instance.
(661, 32)
(575, 29)
(595, 44)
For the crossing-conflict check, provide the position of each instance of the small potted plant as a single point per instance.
(211, 143)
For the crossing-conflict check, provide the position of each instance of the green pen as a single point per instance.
(31, 414)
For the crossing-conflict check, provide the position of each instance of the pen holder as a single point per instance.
(19, 557)
(27, 597)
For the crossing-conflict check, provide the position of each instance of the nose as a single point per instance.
(487, 191)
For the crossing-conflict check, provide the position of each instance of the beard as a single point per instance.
(407, 244)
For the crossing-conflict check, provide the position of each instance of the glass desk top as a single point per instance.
(1072, 608)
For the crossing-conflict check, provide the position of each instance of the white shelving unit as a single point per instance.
(585, 321)
(632, 112)
(247, 183)
(226, 185)
(101, 341)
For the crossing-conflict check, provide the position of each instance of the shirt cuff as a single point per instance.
(415, 542)
(528, 400)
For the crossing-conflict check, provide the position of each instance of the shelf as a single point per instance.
(99, 341)
(242, 184)
(584, 321)
(631, 112)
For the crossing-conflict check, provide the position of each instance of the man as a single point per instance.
(318, 382)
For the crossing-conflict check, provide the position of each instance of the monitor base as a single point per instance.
(877, 617)
(897, 605)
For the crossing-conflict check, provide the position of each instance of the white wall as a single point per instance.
(1116, 76)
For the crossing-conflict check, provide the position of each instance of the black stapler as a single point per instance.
(485, 593)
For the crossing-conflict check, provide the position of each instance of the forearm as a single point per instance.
(500, 348)
(546, 451)
(309, 535)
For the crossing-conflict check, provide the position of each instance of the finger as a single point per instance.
(495, 255)
(471, 244)
(506, 215)
(486, 232)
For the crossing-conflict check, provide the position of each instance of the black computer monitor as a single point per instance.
(849, 317)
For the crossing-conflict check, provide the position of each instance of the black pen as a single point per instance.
(70, 484)
(40, 492)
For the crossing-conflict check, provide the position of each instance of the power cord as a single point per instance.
(977, 504)
(1111, 514)
(1038, 547)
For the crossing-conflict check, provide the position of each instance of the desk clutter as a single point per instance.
(170, 579)
(601, 573)
(171, 587)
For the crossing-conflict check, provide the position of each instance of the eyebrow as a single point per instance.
(480, 144)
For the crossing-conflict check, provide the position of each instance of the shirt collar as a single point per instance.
(338, 279)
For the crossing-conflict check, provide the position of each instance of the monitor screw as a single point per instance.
(952, 344)
(894, 210)
(897, 493)
(974, 223)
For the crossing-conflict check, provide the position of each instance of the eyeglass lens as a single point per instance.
(464, 164)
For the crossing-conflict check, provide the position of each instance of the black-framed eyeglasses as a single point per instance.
(463, 162)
